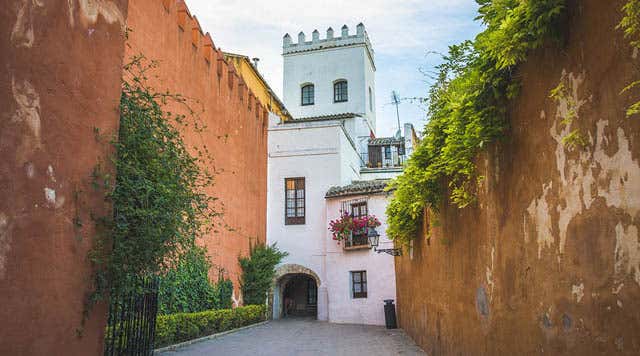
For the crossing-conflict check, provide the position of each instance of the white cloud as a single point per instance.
(401, 32)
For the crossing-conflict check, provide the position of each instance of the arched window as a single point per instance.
(307, 94)
(340, 91)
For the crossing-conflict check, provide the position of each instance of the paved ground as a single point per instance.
(306, 337)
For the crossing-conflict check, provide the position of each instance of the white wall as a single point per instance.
(380, 269)
(323, 62)
(379, 173)
(316, 151)
(326, 154)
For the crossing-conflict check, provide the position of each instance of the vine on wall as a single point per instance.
(158, 198)
(467, 109)
(630, 24)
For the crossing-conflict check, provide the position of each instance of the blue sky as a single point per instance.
(402, 34)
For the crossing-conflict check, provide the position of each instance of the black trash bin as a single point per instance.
(390, 314)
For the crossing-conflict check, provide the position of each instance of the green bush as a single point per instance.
(257, 272)
(175, 328)
(186, 288)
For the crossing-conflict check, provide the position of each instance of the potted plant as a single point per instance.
(346, 225)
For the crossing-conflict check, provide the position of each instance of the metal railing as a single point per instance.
(132, 321)
(396, 160)
(356, 240)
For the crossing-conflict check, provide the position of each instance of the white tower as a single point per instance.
(332, 76)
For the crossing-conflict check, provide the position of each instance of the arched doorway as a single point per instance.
(294, 292)
(299, 296)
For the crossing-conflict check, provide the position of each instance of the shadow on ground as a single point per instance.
(303, 336)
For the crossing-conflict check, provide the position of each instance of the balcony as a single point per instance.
(395, 160)
(356, 242)
(384, 152)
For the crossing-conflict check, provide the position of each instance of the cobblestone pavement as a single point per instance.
(306, 337)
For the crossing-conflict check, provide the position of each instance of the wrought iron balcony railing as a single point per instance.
(356, 241)
(395, 160)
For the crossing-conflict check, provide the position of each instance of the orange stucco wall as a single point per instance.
(190, 65)
(60, 75)
(547, 261)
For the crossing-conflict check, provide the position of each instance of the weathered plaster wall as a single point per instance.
(548, 261)
(59, 78)
(235, 134)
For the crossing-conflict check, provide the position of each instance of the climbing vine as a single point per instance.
(630, 24)
(467, 109)
(158, 198)
(575, 138)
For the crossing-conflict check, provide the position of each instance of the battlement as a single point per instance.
(360, 37)
(213, 63)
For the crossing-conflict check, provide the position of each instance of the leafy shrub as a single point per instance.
(175, 328)
(257, 272)
(186, 287)
(467, 109)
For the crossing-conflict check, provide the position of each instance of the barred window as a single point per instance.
(359, 209)
(307, 94)
(340, 91)
(294, 201)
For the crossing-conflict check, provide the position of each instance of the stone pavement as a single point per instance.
(306, 337)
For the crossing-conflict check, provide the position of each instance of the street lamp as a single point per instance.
(374, 239)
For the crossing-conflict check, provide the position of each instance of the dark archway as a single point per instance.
(299, 296)
(283, 275)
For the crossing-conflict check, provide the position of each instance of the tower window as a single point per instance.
(370, 100)
(340, 91)
(307, 94)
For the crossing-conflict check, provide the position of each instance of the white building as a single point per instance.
(325, 161)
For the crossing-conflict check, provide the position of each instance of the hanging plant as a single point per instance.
(347, 225)
(342, 227)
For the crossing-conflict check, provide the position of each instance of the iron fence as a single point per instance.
(132, 320)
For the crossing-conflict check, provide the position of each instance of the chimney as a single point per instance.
(255, 62)
(345, 31)
(301, 38)
(360, 29)
(315, 36)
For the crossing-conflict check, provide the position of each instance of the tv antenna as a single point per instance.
(395, 100)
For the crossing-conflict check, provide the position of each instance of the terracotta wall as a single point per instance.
(59, 78)
(548, 260)
(190, 65)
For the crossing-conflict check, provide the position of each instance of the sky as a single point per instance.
(406, 36)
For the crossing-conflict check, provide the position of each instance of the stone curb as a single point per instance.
(174, 347)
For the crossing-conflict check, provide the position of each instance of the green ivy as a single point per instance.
(630, 24)
(186, 287)
(158, 198)
(467, 109)
(257, 272)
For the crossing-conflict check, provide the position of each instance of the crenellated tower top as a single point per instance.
(359, 38)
